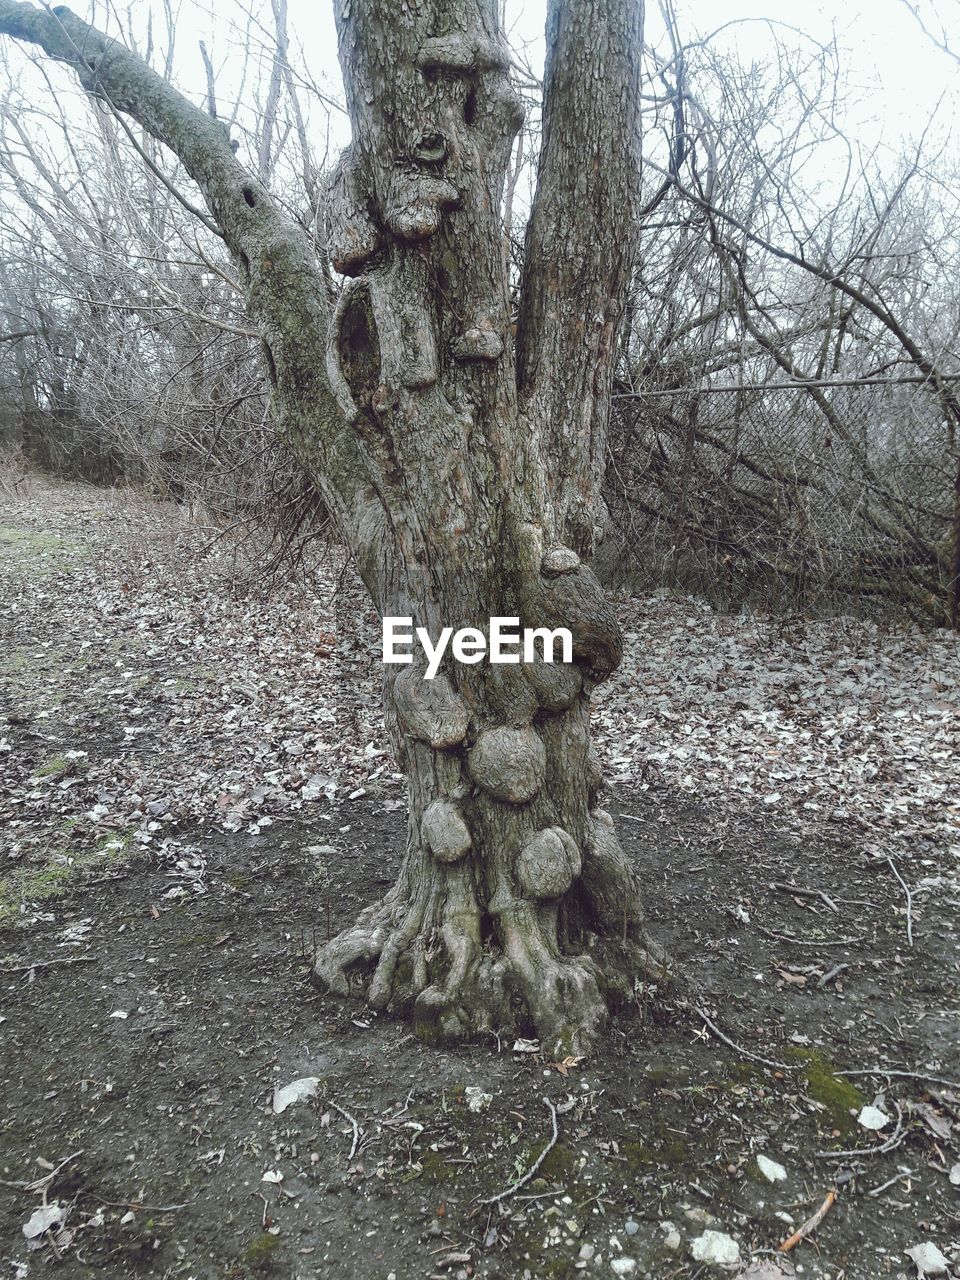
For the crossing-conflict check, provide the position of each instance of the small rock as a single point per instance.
(477, 1100)
(703, 1217)
(586, 1252)
(717, 1248)
(772, 1171)
(671, 1236)
(873, 1118)
(631, 1227)
(623, 1266)
(928, 1259)
(955, 1175)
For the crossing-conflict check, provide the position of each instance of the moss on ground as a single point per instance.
(260, 1252)
(840, 1099)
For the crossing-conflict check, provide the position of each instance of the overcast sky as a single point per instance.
(896, 75)
(895, 78)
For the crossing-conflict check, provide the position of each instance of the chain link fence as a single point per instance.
(821, 498)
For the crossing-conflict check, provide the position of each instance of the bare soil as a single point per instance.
(156, 1128)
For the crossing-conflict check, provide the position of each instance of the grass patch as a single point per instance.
(31, 553)
(53, 871)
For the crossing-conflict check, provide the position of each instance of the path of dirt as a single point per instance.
(138, 1068)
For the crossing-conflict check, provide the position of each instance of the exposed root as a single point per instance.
(425, 948)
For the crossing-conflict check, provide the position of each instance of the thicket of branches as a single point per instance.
(774, 252)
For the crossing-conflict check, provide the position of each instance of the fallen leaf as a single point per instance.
(296, 1091)
(928, 1259)
(42, 1219)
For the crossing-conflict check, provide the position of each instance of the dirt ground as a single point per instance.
(153, 995)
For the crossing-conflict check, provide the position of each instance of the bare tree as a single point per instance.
(465, 479)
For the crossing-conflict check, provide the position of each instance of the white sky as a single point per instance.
(895, 74)
(895, 77)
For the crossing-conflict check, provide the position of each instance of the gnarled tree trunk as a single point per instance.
(464, 478)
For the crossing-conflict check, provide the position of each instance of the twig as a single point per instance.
(807, 942)
(522, 1182)
(356, 1127)
(755, 1057)
(46, 964)
(135, 1204)
(893, 1141)
(806, 893)
(909, 896)
(41, 1184)
(811, 1224)
(902, 1075)
(831, 975)
(876, 1191)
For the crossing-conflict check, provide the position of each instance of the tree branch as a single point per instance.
(580, 243)
(283, 285)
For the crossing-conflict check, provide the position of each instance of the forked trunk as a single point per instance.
(515, 904)
(462, 468)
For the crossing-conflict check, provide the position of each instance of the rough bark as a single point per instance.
(462, 498)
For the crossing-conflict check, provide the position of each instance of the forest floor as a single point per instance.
(194, 787)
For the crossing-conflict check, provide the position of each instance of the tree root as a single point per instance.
(431, 956)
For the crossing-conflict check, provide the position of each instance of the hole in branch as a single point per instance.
(249, 197)
(470, 107)
(271, 364)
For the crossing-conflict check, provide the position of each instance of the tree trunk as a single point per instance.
(466, 482)
(515, 906)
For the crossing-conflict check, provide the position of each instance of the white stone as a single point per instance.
(955, 1175)
(772, 1171)
(699, 1215)
(873, 1118)
(716, 1248)
(586, 1252)
(477, 1100)
(623, 1266)
(671, 1236)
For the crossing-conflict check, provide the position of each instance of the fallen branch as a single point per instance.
(893, 1141)
(909, 896)
(811, 1224)
(356, 1127)
(754, 1057)
(831, 975)
(41, 1184)
(47, 964)
(897, 1177)
(522, 1182)
(807, 942)
(806, 893)
(902, 1075)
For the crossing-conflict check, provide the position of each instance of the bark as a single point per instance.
(462, 497)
